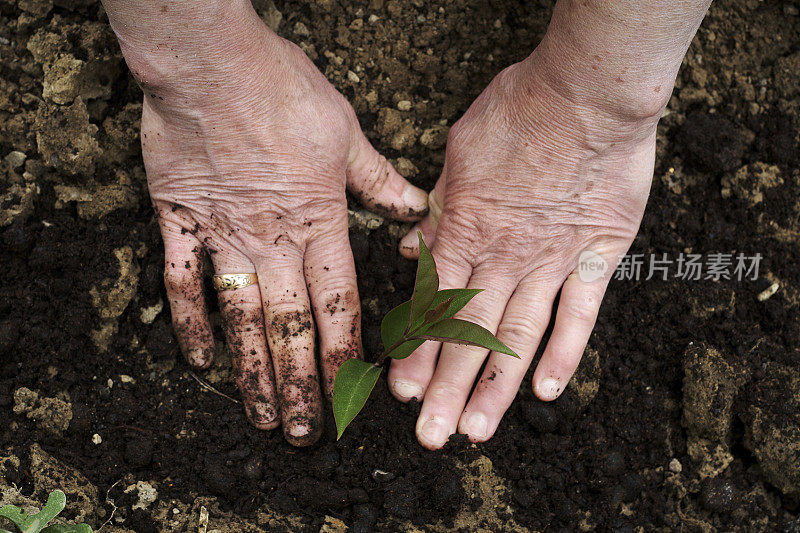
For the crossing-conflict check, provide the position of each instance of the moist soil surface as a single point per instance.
(683, 415)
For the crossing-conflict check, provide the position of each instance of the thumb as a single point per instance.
(409, 245)
(377, 185)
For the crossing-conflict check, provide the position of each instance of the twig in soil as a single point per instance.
(110, 502)
(211, 389)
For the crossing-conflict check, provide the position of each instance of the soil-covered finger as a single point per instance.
(290, 335)
(183, 279)
(331, 279)
(243, 320)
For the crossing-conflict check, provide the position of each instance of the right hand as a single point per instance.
(248, 154)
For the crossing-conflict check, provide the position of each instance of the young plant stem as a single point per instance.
(407, 336)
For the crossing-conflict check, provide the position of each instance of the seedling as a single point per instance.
(427, 316)
(22, 523)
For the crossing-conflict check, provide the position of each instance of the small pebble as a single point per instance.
(353, 77)
(301, 30)
(15, 159)
(403, 105)
(675, 466)
(97, 439)
(382, 476)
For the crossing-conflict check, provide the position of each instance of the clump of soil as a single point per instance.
(682, 415)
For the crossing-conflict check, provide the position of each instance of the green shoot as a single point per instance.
(428, 315)
(38, 522)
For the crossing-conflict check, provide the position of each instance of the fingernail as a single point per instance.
(407, 389)
(434, 433)
(477, 426)
(415, 198)
(548, 389)
(299, 431)
(197, 357)
(263, 413)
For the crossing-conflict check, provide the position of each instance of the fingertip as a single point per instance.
(265, 426)
(302, 431)
(547, 389)
(262, 414)
(415, 201)
(409, 244)
(432, 432)
(475, 426)
(200, 358)
(405, 390)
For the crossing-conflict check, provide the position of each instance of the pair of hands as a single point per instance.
(249, 160)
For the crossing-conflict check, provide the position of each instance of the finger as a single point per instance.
(409, 244)
(183, 278)
(577, 311)
(290, 337)
(525, 319)
(331, 279)
(459, 365)
(379, 187)
(245, 337)
(409, 377)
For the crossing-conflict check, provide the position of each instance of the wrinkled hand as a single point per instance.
(248, 158)
(531, 180)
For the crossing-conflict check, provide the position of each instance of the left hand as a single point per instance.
(532, 178)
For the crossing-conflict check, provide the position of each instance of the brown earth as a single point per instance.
(684, 415)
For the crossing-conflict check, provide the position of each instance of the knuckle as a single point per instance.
(443, 392)
(243, 319)
(582, 308)
(178, 279)
(333, 301)
(517, 331)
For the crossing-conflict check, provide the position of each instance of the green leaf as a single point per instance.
(56, 502)
(460, 297)
(426, 285)
(458, 331)
(437, 311)
(395, 322)
(352, 386)
(405, 349)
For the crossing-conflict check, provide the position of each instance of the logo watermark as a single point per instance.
(692, 267)
(591, 266)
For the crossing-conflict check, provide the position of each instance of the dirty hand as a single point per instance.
(248, 151)
(531, 180)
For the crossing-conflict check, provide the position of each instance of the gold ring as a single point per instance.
(231, 282)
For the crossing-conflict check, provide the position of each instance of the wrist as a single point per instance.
(600, 68)
(170, 49)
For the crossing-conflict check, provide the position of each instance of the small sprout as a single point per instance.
(14, 520)
(428, 315)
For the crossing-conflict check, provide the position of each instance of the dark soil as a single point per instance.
(600, 461)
